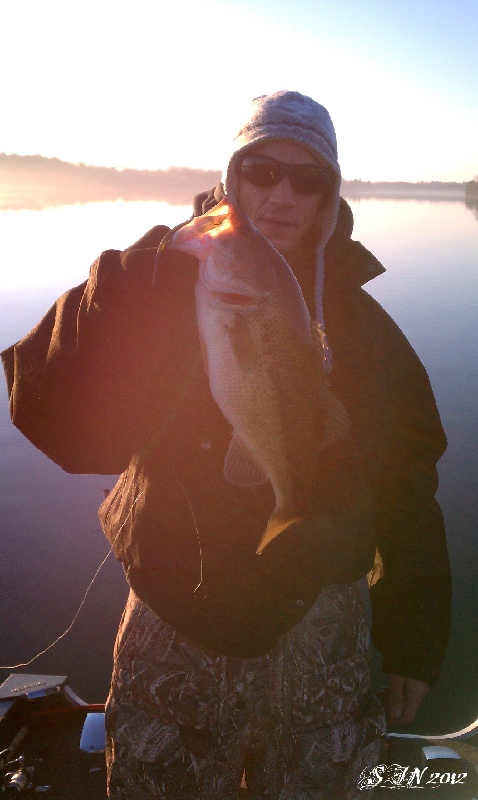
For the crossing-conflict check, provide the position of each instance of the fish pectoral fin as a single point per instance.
(240, 468)
(278, 523)
(337, 420)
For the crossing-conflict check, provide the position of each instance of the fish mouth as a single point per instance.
(232, 294)
(237, 299)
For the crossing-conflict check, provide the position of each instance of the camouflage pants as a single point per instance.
(184, 723)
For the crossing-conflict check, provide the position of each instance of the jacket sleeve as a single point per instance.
(411, 584)
(87, 383)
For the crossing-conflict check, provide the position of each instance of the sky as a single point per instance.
(158, 83)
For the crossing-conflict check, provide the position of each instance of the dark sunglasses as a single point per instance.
(267, 172)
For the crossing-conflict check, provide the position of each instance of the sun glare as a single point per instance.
(62, 242)
(163, 106)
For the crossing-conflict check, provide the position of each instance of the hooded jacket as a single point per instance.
(111, 381)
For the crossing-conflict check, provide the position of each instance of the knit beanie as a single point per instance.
(292, 116)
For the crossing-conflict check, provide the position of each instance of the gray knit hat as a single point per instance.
(287, 115)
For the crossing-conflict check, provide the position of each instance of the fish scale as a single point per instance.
(264, 362)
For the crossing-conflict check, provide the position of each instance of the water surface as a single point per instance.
(51, 540)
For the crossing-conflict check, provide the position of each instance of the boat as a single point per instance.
(52, 743)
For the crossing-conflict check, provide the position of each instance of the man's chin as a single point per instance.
(279, 239)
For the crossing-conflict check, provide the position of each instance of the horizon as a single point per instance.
(161, 88)
(187, 168)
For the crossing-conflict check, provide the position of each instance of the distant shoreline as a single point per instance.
(43, 182)
(39, 182)
(398, 190)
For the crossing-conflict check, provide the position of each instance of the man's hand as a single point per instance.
(403, 699)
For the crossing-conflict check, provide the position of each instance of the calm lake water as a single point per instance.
(51, 542)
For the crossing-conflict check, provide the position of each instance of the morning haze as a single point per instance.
(37, 182)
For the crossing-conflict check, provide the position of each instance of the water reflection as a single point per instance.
(472, 204)
(51, 535)
(471, 196)
(51, 249)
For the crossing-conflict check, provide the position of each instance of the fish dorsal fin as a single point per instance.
(240, 468)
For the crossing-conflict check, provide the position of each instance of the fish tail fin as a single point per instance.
(280, 520)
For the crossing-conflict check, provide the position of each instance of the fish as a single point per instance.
(264, 359)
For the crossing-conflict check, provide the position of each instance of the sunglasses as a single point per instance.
(267, 172)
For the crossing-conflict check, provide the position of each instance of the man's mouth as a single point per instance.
(277, 222)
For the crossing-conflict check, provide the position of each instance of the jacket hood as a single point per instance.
(292, 116)
(348, 264)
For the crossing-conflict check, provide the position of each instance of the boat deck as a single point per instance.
(42, 719)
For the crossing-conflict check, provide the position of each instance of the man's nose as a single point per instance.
(283, 192)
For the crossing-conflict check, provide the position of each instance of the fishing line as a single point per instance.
(154, 441)
(62, 635)
(162, 246)
(27, 663)
(195, 526)
(185, 388)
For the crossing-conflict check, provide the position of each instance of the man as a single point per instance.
(228, 662)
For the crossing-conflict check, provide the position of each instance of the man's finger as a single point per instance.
(404, 699)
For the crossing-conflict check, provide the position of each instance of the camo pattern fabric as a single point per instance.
(184, 723)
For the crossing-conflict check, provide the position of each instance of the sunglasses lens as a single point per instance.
(260, 173)
(266, 172)
(309, 179)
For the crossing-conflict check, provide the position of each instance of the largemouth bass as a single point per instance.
(264, 361)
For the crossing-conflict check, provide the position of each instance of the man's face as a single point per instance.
(283, 215)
